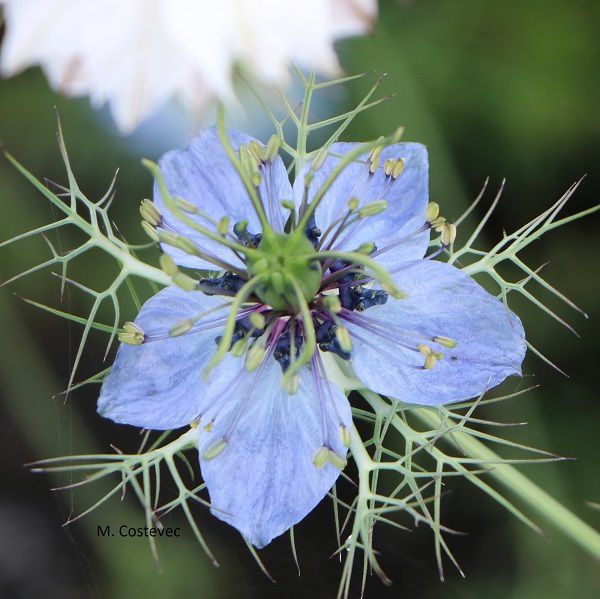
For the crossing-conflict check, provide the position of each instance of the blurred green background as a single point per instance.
(494, 89)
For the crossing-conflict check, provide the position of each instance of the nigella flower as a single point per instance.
(332, 268)
(136, 54)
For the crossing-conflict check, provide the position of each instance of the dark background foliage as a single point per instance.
(494, 89)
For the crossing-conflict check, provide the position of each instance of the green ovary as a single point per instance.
(285, 259)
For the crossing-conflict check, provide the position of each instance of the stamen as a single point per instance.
(150, 213)
(212, 451)
(225, 342)
(132, 334)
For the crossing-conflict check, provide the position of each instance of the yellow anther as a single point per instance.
(209, 426)
(332, 303)
(376, 151)
(184, 281)
(438, 223)
(239, 347)
(342, 334)
(194, 423)
(186, 206)
(290, 384)
(388, 167)
(150, 231)
(257, 151)
(321, 457)
(397, 136)
(214, 450)
(257, 320)
(432, 212)
(168, 265)
(223, 226)
(366, 248)
(424, 349)
(448, 233)
(374, 165)
(273, 146)
(179, 241)
(337, 460)
(254, 357)
(353, 204)
(181, 327)
(150, 212)
(445, 341)
(373, 208)
(398, 168)
(131, 334)
(288, 205)
(345, 436)
(430, 360)
(319, 159)
(256, 179)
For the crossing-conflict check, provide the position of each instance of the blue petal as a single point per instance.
(264, 481)
(441, 301)
(203, 175)
(407, 198)
(158, 385)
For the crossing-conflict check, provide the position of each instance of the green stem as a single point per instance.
(518, 484)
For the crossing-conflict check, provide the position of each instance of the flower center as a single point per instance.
(292, 270)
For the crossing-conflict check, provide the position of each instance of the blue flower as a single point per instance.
(303, 284)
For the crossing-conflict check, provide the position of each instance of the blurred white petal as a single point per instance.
(137, 54)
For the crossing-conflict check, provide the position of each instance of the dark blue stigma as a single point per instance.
(356, 297)
(228, 284)
(245, 237)
(312, 231)
(325, 333)
(242, 329)
(283, 348)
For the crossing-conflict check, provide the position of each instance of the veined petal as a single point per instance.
(264, 480)
(158, 384)
(441, 301)
(203, 175)
(407, 196)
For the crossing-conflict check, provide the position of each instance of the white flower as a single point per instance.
(137, 54)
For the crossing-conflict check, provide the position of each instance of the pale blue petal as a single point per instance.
(264, 481)
(203, 175)
(407, 197)
(158, 385)
(441, 300)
